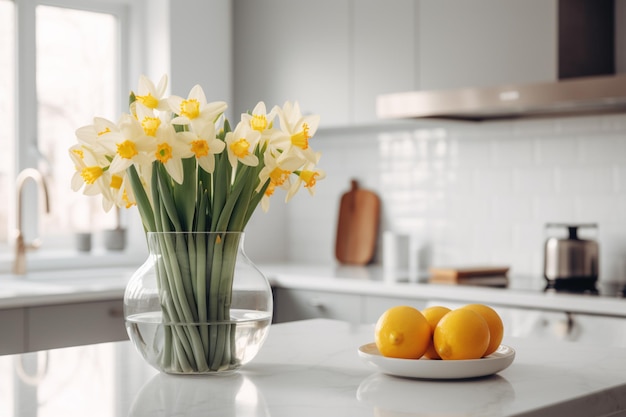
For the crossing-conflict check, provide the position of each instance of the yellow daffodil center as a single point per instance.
(91, 174)
(240, 148)
(190, 108)
(301, 139)
(270, 189)
(163, 152)
(79, 153)
(258, 122)
(125, 198)
(279, 176)
(116, 182)
(309, 178)
(104, 132)
(150, 125)
(200, 148)
(126, 149)
(148, 100)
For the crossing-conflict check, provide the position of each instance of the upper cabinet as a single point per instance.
(384, 41)
(486, 42)
(295, 50)
(332, 56)
(336, 56)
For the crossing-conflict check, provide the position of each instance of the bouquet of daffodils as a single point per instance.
(178, 160)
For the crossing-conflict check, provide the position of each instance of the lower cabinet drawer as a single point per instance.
(374, 306)
(49, 327)
(290, 305)
(12, 331)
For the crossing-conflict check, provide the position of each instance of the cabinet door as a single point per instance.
(374, 306)
(486, 42)
(294, 50)
(75, 324)
(12, 331)
(384, 53)
(290, 305)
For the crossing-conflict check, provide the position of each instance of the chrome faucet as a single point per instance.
(19, 265)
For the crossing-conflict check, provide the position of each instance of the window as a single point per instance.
(64, 63)
(7, 107)
(77, 78)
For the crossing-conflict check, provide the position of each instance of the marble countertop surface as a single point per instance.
(311, 368)
(57, 287)
(522, 292)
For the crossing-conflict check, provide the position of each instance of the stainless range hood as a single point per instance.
(577, 96)
(587, 81)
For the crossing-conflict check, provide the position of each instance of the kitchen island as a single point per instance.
(311, 368)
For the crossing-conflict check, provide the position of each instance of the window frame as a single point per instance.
(131, 41)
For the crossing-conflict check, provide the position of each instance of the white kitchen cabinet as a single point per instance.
(486, 42)
(293, 50)
(293, 304)
(12, 331)
(334, 57)
(74, 324)
(384, 48)
(374, 306)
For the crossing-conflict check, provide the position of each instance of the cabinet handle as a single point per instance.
(116, 312)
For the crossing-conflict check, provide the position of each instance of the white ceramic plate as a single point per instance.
(438, 369)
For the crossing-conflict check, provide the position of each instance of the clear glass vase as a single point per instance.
(198, 305)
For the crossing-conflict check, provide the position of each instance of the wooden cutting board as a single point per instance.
(357, 226)
(467, 272)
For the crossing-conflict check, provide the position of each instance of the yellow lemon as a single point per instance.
(402, 332)
(461, 334)
(496, 327)
(433, 314)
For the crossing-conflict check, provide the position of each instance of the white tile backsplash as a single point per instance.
(473, 192)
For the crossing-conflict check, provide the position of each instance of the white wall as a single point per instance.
(475, 192)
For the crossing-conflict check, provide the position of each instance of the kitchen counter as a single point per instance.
(63, 286)
(523, 292)
(311, 368)
(109, 283)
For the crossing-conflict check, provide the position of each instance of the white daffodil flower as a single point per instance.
(308, 176)
(130, 146)
(170, 149)
(90, 135)
(91, 174)
(195, 109)
(240, 145)
(203, 145)
(150, 96)
(296, 130)
(278, 169)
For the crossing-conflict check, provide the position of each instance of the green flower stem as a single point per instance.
(143, 202)
(195, 274)
(184, 194)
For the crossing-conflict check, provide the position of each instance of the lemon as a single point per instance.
(461, 334)
(433, 314)
(402, 332)
(496, 327)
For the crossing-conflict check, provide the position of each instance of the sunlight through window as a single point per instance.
(77, 77)
(7, 106)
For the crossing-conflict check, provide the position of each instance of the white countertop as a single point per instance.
(370, 281)
(63, 286)
(105, 284)
(311, 368)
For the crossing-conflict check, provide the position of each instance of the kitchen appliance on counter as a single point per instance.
(570, 262)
